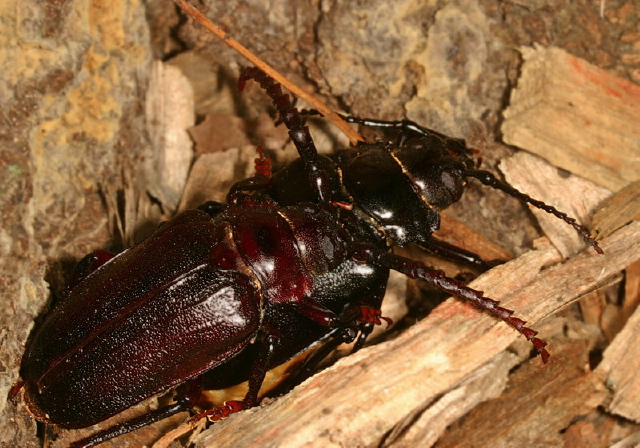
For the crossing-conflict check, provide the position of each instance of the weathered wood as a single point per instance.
(618, 210)
(169, 113)
(71, 127)
(454, 232)
(619, 369)
(577, 116)
(424, 426)
(631, 289)
(213, 174)
(538, 404)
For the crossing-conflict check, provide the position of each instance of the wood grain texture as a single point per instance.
(169, 113)
(618, 210)
(620, 368)
(577, 116)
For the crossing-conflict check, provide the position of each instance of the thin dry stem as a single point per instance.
(314, 102)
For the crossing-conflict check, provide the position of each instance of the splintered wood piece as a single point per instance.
(169, 112)
(602, 309)
(577, 116)
(632, 441)
(208, 138)
(556, 394)
(631, 289)
(364, 396)
(618, 210)
(619, 369)
(572, 195)
(426, 425)
(213, 174)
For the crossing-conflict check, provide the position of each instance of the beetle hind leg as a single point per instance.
(187, 396)
(133, 424)
(262, 163)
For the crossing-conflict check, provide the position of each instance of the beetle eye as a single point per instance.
(448, 180)
(452, 181)
(212, 208)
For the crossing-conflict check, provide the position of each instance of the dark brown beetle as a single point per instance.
(224, 293)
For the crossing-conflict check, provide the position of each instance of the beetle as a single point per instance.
(223, 293)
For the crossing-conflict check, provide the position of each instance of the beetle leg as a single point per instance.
(259, 370)
(344, 334)
(187, 396)
(366, 317)
(373, 316)
(256, 378)
(298, 131)
(338, 336)
(408, 129)
(12, 396)
(250, 184)
(317, 313)
(261, 180)
(458, 255)
(133, 424)
(212, 208)
(262, 163)
(88, 264)
(219, 412)
(327, 318)
(370, 254)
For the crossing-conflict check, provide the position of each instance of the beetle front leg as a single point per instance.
(408, 129)
(370, 254)
(353, 318)
(260, 181)
(298, 131)
(358, 322)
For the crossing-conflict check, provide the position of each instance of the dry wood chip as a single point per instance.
(577, 116)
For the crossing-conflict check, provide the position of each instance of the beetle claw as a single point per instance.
(373, 316)
(218, 413)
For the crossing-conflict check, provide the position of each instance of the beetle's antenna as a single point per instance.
(314, 102)
(490, 180)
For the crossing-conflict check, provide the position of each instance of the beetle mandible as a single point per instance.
(229, 291)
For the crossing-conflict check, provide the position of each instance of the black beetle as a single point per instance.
(223, 293)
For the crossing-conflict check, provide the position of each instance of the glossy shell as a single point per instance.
(152, 317)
